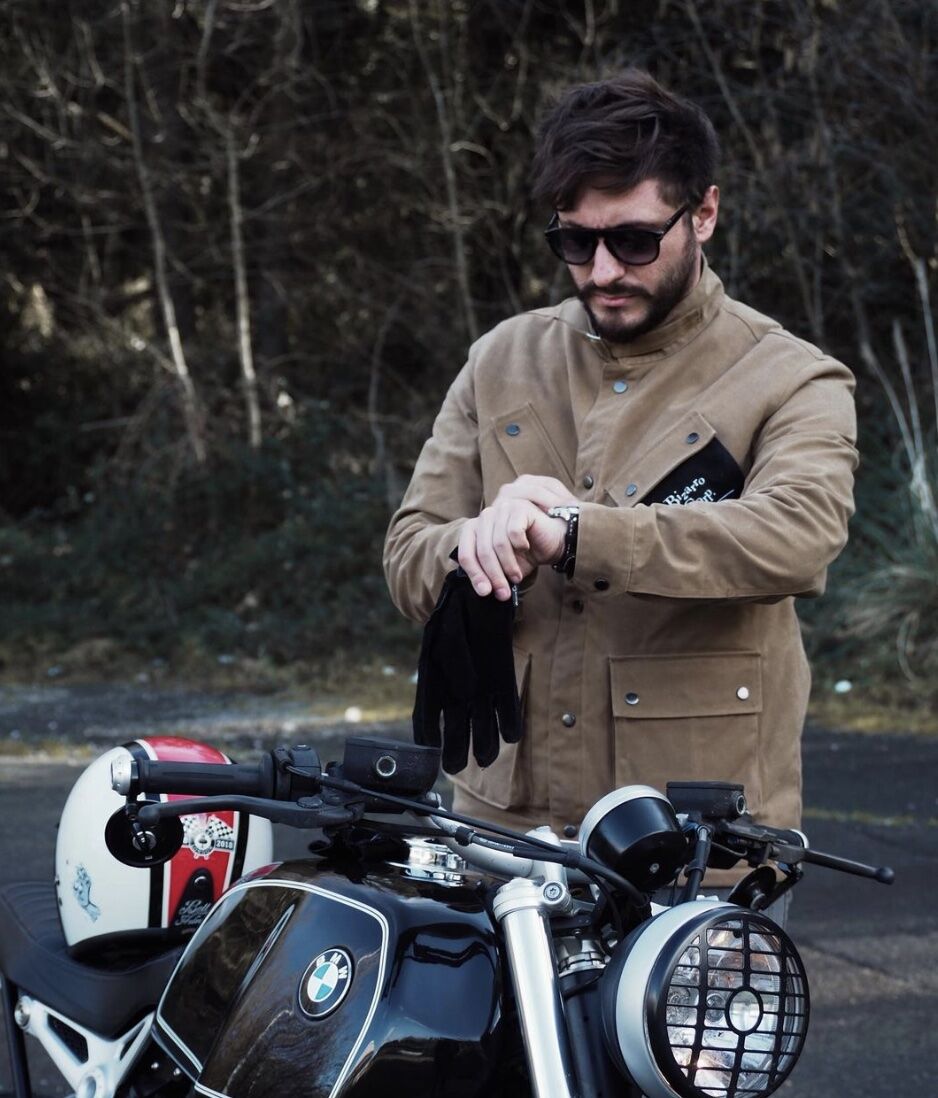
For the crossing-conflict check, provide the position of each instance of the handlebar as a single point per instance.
(289, 785)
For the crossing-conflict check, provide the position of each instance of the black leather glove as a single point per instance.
(466, 675)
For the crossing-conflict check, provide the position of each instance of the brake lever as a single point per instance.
(777, 849)
(882, 874)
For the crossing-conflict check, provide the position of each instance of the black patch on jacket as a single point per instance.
(709, 476)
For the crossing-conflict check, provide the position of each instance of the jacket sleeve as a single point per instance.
(445, 490)
(776, 540)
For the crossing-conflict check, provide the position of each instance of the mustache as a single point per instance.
(612, 290)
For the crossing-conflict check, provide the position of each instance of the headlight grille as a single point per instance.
(732, 1015)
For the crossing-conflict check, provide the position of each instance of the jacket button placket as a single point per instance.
(571, 715)
(564, 746)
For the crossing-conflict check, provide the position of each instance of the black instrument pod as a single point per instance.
(634, 831)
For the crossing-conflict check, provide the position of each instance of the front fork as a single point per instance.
(521, 908)
(563, 1040)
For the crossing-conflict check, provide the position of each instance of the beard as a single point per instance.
(660, 302)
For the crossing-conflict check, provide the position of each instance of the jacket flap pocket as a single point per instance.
(687, 437)
(708, 684)
(527, 445)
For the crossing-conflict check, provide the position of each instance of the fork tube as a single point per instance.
(537, 992)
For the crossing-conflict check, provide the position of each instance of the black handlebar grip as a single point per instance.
(207, 779)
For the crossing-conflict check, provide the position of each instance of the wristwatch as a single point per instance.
(570, 515)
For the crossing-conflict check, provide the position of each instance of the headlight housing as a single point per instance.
(634, 831)
(707, 1000)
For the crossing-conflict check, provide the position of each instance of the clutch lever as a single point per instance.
(307, 812)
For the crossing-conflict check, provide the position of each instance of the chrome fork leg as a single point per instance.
(520, 909)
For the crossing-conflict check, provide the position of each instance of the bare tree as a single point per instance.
(190, 402)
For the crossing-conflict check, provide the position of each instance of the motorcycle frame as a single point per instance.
(108, 1062)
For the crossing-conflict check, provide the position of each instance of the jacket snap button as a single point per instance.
(631, 490)
(512, 429)
(601, 584)
(588, 481)
(742, 693)
(620, 386)
(568, 719)
(631, 698)
(692, 438)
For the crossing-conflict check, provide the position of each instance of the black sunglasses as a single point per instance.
(636, 247)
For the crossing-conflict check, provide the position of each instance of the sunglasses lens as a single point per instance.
(574, 246)
(633, 246)
(578, 246)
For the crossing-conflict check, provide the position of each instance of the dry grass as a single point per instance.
(858, 715)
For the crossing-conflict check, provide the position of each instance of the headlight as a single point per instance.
(707, 1000)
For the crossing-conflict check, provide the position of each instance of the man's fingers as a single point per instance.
(469, 561)
(494, 549)
(508, 534)
(478, 558)
(494, 558)
(512, 521)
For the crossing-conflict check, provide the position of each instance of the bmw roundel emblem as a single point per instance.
(325, 982)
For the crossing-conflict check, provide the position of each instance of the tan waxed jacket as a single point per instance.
(674, 652)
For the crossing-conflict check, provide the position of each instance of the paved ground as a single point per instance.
(871, 952)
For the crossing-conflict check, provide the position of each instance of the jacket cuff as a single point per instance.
(605, 550)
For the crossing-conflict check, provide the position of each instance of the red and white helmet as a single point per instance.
(100, 896)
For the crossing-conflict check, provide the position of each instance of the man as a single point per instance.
(701, 458)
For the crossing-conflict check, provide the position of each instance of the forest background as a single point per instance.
(246, 244)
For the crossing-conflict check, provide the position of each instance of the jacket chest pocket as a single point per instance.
(517, 443)
(680, 446)
(507, 782)
(688, 717)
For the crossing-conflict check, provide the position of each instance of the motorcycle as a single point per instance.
(417, 950)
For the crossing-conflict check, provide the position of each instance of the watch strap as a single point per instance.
(567, 561)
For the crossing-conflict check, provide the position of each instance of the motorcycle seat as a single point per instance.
(35, 956)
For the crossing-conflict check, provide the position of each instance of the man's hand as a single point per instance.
(512, 537)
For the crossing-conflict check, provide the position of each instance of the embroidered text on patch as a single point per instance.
(691, 494)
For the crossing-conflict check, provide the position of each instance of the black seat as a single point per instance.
(35, 957)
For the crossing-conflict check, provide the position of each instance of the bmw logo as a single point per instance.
(325, 982)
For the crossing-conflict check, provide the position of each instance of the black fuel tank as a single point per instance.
(320, 982)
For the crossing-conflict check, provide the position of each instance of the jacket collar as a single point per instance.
(686, 319)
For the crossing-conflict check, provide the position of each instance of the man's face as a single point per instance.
(625, 301)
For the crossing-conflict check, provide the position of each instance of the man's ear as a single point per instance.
(704, 217)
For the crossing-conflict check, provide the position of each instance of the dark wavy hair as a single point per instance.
(616, 133)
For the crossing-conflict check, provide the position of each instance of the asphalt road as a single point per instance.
(871, 951)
